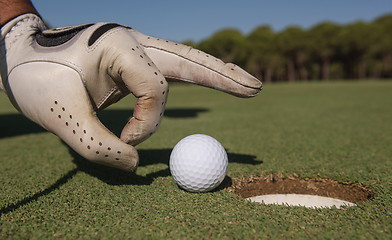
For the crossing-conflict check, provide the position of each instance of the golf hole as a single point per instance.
(296, 191)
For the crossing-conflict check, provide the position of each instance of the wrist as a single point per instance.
(11, 9)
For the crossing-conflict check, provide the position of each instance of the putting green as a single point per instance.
(335, 130)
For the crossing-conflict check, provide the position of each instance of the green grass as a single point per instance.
(339, 130)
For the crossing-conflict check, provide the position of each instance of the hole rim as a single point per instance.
(277, 183)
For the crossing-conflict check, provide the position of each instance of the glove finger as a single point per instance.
(180, 62)
(53, 96)
(144, 80)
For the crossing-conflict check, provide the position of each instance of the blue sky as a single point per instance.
(196, 20)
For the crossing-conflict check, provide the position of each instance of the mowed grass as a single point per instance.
(339, 130)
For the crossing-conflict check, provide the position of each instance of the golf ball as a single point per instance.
(198, 163)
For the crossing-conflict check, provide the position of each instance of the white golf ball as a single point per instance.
(198, 163)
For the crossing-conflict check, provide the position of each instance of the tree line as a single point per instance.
(326, 51)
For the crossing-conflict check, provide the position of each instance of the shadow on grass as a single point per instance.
(115, 119)
(113, 176)
(16, 124)
(61, 181)
(146, 157)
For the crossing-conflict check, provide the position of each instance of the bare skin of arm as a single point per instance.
(10, 9)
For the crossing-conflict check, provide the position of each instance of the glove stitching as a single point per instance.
(211, 69)
(55, 61)
(106, 96)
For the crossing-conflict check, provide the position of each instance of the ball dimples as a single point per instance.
(198, 163)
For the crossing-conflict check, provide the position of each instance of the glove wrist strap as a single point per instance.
(14, 37)
(26, 21)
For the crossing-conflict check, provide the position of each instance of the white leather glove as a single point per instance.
(59, 78)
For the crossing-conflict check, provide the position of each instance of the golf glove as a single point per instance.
(59, 78)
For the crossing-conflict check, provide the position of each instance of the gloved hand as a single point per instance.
(60, 78)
